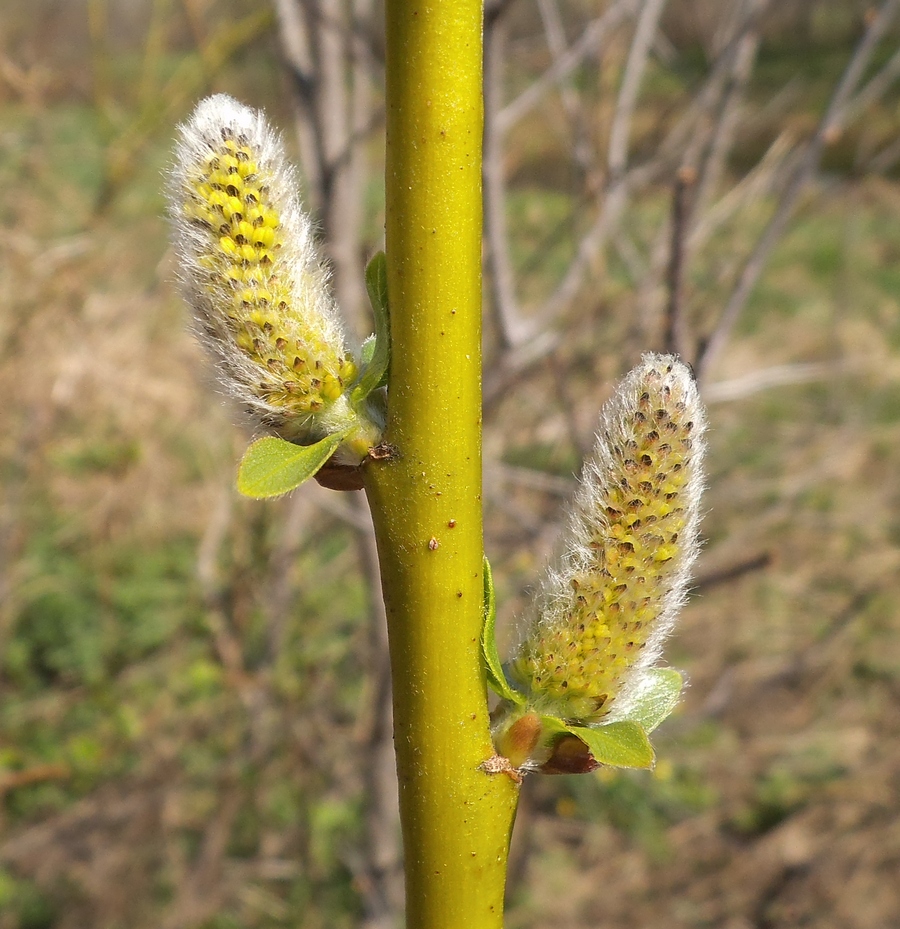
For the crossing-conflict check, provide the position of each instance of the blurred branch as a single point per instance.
(704, 581)
(762, 178)
(777, 376)
(886, 159)
(872, 92)
(512, 327)
(641, 43)
(328, 50)
(38, 774)
(294, 37)
(591, 39)
(828, 127)
(682, 144)
(675, 335)
(571, 99)
(280, 587)
(741, 49)
(704, 156)
(532, 479)
(227, 647)
(154, 48)
(381, 877)
(614, 196)
(201, 891)
(168, 99)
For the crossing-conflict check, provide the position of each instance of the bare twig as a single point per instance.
(531, 478)
(591, 39)
(201, 894)
(763, 177)
(37, 774)
(742, 46)
(829, 125)
(777, 376)
(675, 335)
(512, 327)
(571, 99)
(705, 581)
(641, 43)
(705, 152)
(294, 36)
(885, 159)
(614, 197)
(682, 145)
(875, 89)
(381, 881)
(227, 646)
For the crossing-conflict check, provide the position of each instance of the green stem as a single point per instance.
(426, 502)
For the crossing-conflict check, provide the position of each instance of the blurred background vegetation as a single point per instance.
(193, 714)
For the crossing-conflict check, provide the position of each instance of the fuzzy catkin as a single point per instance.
(251, 274)
(604, 611)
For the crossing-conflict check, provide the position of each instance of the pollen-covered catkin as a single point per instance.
(604, 610)
(250, 271)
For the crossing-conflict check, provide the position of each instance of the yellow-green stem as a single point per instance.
(426, 503)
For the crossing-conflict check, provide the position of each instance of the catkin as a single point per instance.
(250, 271)
(604, 610)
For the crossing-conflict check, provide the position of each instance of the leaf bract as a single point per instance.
(496, 677)
(376, 355)
(622, 744)
(272, 466)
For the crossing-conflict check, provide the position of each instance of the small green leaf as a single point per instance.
(271, 466)
(367, 350)
(496, 677)
(375, 367)
(657, 699)
(622, 744)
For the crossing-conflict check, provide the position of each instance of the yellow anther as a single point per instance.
(262, 237)
(253, 214)
(232, 206)
(331, 387)
(234, 184)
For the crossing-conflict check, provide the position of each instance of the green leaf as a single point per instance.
(271, 466)
(622, 744)
(658, 698)
(367, 350)
(496, 677)
(375, 367)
